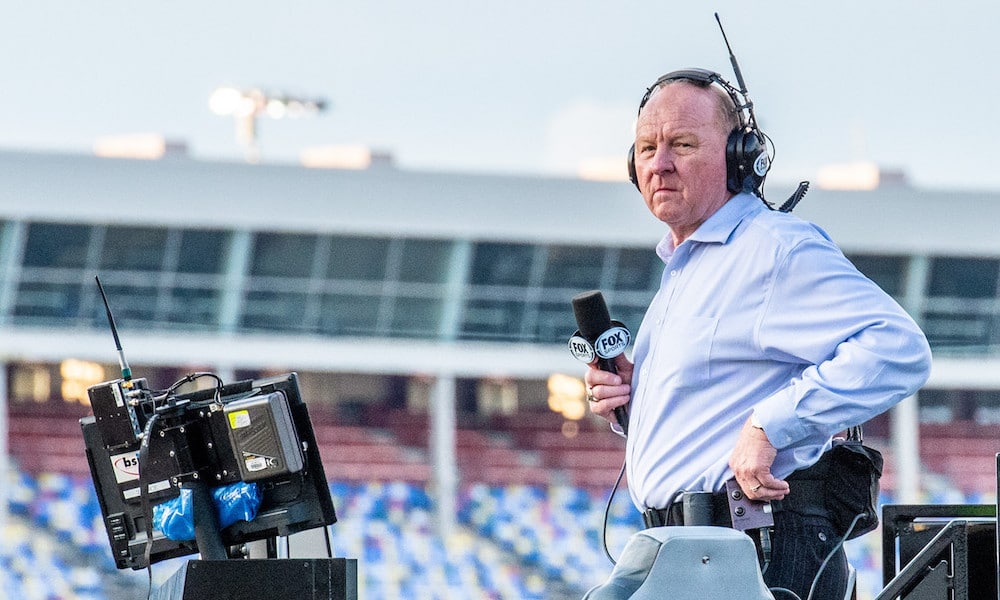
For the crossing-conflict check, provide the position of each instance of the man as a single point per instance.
(762, 342)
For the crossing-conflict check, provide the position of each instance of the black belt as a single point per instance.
(674, 514)
(805, 497)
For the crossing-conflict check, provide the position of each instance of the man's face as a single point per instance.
(680, 156)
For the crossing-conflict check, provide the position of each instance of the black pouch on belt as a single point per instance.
(849, 474)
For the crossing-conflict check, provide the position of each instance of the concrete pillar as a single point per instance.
(905, 416)
(444, 475)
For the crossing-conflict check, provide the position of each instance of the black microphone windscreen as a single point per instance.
(591, 313)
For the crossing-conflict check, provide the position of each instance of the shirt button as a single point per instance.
(673, 273)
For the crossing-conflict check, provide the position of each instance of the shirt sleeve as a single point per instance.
(859, 352)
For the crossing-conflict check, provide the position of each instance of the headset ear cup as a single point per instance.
(734, 157)
(743, 150)
(631, 168)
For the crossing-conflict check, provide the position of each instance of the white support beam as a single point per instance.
(444, 474)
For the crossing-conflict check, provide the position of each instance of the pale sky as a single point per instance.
(515, 86)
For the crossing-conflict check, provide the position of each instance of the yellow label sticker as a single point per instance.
(238, 419)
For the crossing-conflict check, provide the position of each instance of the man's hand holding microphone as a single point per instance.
(601, 342)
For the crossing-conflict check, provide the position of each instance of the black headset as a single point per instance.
(747, 157)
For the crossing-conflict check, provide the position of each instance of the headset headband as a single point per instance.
(706, 77)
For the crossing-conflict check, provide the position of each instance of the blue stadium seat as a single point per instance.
(553, 533)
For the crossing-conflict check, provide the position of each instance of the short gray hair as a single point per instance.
(728, 115)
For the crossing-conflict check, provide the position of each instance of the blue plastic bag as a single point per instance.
(235, 502)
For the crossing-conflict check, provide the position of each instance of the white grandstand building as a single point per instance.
(440, 294)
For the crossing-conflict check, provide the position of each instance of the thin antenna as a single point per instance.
(732, 59)
(126, 371)
(748, 103)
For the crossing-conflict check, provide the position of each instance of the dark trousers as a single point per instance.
(800, 544)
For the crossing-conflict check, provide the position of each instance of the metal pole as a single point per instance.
(905, 416)
(442, 444)
(905, 427)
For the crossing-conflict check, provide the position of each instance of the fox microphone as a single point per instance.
(599, 337)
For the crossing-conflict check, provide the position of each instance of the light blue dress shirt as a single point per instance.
(759, 311)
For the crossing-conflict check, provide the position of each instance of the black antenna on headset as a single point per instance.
(732, 57)
(126, 371)
(803, 187)
(739, 74)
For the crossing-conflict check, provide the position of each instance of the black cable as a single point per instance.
(326, 536)
(191, 377)
(607, 513)
(147, 510)
(765, 548)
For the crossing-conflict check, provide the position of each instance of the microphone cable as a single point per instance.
(607, 514)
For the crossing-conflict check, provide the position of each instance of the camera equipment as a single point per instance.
(144, 446)
(195, 440)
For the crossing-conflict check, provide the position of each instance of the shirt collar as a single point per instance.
(719, 227)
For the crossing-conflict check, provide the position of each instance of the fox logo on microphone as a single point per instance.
(612, 342)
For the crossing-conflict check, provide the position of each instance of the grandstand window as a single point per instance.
(202, 251)
(961, 309)
(357, 258)
(574, 267)
(345, 314)
(943, 406)
(493, 319)
(56, 245)
(956, 329)
(987, 407)
(53, 300)
(935, 405)
(133, 249)
(964, 277)
(131, 304)
(272, 310)
(193, 306)
(283, 255)
(555, 322)
(889, 272)
(425, 261)
(637, 269)
(495, 263)
(416, 317)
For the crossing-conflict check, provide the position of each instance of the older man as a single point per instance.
(762, 342)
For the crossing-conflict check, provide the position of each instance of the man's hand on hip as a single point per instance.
(751, 463)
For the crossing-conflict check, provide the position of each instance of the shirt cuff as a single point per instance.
(778, 420)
